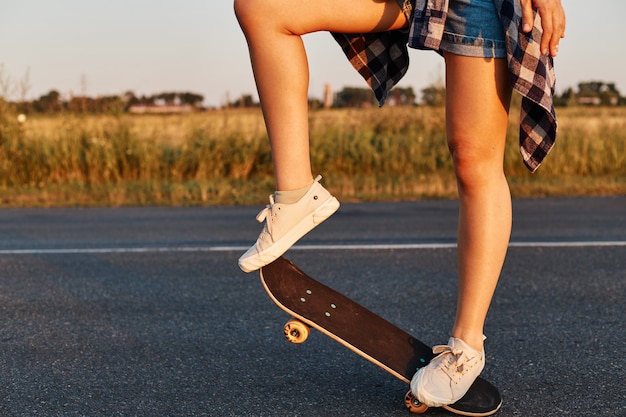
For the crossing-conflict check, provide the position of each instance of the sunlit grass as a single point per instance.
(223, 157)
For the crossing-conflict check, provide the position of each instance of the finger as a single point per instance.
(528, 16)
(558, 31)
(554, 43)
(547, 39)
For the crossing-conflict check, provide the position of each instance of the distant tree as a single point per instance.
(192, 99)
(175, 98)
(598, 93)
(168, 98)
(590, 88)
(110, 104)
(315, 104)
(434, 95)
(402, 96)
(354, 97)
(130, 99)
(245, 100)
(146, 100)
(567, 99)
(610, 95)
(78, 104)
(49, 103)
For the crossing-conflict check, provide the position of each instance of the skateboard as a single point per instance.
(315, 305)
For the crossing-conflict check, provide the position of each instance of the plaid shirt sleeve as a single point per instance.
(532, 75)
(382, 60)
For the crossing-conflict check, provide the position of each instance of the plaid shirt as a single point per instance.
(382, 59)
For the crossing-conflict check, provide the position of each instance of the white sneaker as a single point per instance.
(448, 377)
(285, 224)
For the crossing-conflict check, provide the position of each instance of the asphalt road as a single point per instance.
(144, 312)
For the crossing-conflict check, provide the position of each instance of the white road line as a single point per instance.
(398, 246)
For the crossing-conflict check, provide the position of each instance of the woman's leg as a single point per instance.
(478, 94)
(477, 103)
(273, 29)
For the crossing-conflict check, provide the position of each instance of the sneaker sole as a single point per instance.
(281, 246)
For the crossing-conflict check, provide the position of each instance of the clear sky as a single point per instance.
(152, 46)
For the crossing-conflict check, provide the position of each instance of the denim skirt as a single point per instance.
(472, 28)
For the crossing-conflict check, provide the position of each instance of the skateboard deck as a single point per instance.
(313, 304)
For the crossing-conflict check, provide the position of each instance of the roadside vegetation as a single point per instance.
(223, 157)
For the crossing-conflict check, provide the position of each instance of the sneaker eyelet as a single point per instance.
(315, 197)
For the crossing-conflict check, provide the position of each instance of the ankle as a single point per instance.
(474, 339)
(291, 196)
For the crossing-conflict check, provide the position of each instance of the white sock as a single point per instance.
(291, 196)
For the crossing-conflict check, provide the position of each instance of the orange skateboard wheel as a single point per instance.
(296, 331)
(413, 404)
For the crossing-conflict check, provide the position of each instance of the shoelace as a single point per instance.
(454, 365)
(268, 208)
(266, 233)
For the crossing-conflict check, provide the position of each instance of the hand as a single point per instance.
(552, 21)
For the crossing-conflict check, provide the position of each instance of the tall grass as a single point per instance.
(223, 157)
(589, 157)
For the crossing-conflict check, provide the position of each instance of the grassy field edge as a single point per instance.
(223, 157)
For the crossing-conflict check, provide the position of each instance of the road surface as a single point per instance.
(144, 312)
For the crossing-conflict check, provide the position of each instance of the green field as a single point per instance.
(223, 157)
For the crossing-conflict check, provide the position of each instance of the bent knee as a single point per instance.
(251, 13)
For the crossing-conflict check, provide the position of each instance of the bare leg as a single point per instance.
(477, 99)
(279, 62)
